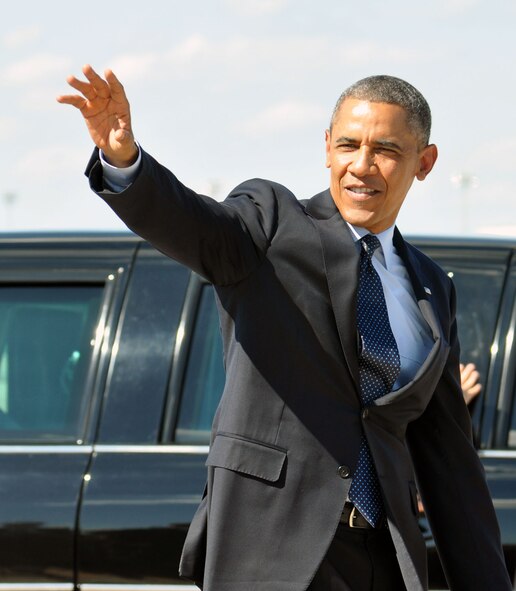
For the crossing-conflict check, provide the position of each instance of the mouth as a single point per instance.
(361, 193)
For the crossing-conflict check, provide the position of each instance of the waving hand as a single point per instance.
(106, 111)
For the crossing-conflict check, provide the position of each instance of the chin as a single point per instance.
(361, 219)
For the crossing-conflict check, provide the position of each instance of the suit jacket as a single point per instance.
(287, 431)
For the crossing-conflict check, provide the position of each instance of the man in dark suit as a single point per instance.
(341, 356)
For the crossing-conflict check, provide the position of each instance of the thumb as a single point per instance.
(124, 136)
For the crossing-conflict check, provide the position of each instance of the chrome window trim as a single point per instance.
(6, 449)
(504, 504)
(141, 587)
(37, 587)
(151, 449)
(92, 587)
(44, 449)
(498, 454)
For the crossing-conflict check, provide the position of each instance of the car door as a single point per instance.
(58, 302)
(144, 483)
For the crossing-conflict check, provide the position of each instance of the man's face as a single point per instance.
(373, 157)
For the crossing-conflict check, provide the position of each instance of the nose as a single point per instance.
(363, 162)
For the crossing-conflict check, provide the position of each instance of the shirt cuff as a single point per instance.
(118, 179)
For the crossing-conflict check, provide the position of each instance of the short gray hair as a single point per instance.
(394, 91)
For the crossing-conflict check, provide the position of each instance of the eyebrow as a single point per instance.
(388, 144)
(343, 139)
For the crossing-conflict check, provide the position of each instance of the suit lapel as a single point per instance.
(412, 265)
(341, 267)
(422, 292)
(341, 260)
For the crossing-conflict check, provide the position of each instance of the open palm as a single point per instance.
(106, 111)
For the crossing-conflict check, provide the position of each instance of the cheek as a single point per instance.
(339, 165)
(396, 177)
(389, 169)
(401, 173)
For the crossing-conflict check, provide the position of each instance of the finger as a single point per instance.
(467, 371)
(83, 87)
(116, 87)
(101, 87)
(71, 99)
(468, 383)
(465, 377)
(470, 375)
(474, 377)
(475, 390)
(124, 136)
(472, 393)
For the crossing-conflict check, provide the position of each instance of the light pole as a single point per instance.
(465, 181)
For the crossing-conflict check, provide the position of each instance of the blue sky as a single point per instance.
(225, 90)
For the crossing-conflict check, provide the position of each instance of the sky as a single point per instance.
(225, 90)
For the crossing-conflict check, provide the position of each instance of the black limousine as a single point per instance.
(110, 372)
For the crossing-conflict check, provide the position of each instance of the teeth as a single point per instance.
(362, 190)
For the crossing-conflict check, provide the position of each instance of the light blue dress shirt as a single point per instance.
(411, 331)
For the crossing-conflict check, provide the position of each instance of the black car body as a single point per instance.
(110, 372)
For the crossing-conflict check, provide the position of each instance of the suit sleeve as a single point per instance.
(453, 486)
(223, 242)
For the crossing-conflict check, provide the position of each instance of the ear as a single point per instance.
(427, 158)
(327, 137)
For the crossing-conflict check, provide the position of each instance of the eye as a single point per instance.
(388, 151)
(347, 147)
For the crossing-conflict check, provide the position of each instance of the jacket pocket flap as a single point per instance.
(247, 457)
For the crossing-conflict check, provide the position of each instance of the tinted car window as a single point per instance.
(204, 376)
(479, 289)
(46, 337)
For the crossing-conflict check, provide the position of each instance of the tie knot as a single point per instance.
(370, 243)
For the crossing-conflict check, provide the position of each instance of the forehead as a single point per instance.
(361, 116)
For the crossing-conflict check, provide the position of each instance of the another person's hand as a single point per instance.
(469, 381)
(106, 111)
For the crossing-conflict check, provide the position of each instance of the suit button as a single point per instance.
(365, 413)
(343, 471)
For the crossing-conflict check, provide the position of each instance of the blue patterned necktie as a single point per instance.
(379, 367)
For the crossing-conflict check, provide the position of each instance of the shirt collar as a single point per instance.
(386, 240)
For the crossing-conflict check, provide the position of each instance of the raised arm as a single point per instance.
(105, 108)
(224, 242)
